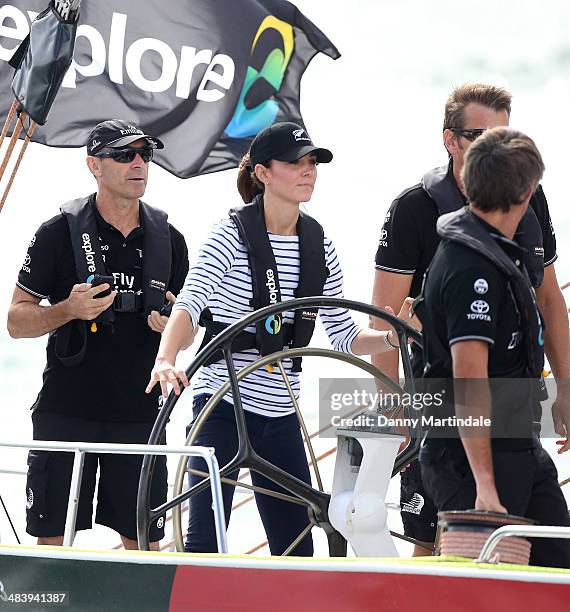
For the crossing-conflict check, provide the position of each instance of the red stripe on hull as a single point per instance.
(215, 589)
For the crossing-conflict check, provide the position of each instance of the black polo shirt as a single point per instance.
(109, 383)
(409, 240)
(467, 298)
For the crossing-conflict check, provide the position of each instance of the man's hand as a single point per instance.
(561, 418)
(82, 302)
(155, 320)
(488, 499)
(165, 373)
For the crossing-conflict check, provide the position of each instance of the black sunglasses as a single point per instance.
(127, 155)
(470, 135)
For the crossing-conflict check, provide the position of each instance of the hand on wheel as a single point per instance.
(166, 373)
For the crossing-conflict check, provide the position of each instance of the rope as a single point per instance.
(9, 520)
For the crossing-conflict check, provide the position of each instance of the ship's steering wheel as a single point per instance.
(316, 500)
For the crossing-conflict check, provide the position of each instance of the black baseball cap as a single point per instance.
(285, 141)
(116, 133)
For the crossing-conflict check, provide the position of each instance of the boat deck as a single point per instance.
(103, 580)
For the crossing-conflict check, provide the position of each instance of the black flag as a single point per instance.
(205, 77)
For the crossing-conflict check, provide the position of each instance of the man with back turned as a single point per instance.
(483, 330)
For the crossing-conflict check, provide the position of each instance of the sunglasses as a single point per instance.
(469, 135)
(127, 155)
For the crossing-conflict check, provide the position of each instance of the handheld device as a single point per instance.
(166, 310)
(99, 279)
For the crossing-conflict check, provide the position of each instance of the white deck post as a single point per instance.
(73, 501)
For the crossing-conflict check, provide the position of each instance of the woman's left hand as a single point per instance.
(374, 342)
(407, 316)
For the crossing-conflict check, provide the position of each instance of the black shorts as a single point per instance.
(49, 478)
(527, 484)
(418, 512)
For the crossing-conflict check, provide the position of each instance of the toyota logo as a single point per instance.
(480, 307)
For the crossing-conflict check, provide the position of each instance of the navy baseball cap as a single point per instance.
(116, 133)
(287, 142)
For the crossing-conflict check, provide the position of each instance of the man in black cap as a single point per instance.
(107, 266)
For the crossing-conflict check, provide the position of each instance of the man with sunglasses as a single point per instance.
(107, 266)
(408, 242)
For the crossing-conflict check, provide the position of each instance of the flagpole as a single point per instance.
(14, 138)
(8, 121)
(29, 134)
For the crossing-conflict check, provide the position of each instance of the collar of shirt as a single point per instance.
(103, 226)
(511, 248)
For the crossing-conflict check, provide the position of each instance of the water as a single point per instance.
(379, 108)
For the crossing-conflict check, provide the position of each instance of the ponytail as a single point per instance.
(248, 184)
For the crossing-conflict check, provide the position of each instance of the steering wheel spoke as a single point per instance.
(306, 434)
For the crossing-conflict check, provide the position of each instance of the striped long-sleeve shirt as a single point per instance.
(220, 279)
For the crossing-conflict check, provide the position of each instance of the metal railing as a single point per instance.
(79, 449)
(520, 531)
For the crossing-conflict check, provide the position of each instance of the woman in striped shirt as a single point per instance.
(278, 174)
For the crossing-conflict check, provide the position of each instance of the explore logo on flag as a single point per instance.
(205, 77)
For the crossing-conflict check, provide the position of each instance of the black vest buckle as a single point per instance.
(128, 302)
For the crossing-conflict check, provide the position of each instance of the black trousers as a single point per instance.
(527, 483)
(276, 439)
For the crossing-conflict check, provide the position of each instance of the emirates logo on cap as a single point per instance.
(298, 135)
(131, 129)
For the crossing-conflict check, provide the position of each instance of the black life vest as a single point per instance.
(271, 335)
(463, 227)
(440, 185)
(80, 216)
